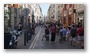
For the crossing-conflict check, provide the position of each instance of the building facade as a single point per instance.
(59, 12)
(6, 18)
(51, 13)
(79, 13)
(36, 11)
(73, 13)
(68, 14)
(54, 13)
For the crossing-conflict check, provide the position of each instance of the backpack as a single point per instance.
(47, 31)
(73, 32)
(81, 33)
(60, 31)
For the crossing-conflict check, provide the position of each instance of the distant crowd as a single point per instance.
(73, 33)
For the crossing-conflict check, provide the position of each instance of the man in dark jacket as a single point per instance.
(81, 36)
(47, 33)
(19, 29)
(73, 35)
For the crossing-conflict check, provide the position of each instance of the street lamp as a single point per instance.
(25, 12)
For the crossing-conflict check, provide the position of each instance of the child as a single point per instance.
(46, 35)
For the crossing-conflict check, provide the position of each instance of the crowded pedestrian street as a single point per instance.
(44, 26)
(38, 43)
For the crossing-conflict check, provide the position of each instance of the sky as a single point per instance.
(44, 8)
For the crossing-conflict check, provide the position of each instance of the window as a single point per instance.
(75, 6)
(79, 5)
(58, 6)
(66, 6)
(65, 12)
(61, 5)
(53, 11)
(6, 11)
(53, 5)
(70, 5)
(58, 11)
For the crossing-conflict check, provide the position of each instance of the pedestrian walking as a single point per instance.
(81, 36)
(47, 33)
(73, 35)
(53, 33)
(64, 31)
(57, 29)
(33, 29)
(19, 29)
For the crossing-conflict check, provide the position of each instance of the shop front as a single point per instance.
(81, 18)
(80, 15)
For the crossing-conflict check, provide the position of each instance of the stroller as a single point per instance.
(46, 35)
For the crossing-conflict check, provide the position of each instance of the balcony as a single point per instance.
(52, 17)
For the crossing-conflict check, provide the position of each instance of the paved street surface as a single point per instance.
(21, 40)
(37, 43)
(40, 18)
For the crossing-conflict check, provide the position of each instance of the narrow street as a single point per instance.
(37, 42)
(26, 24)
